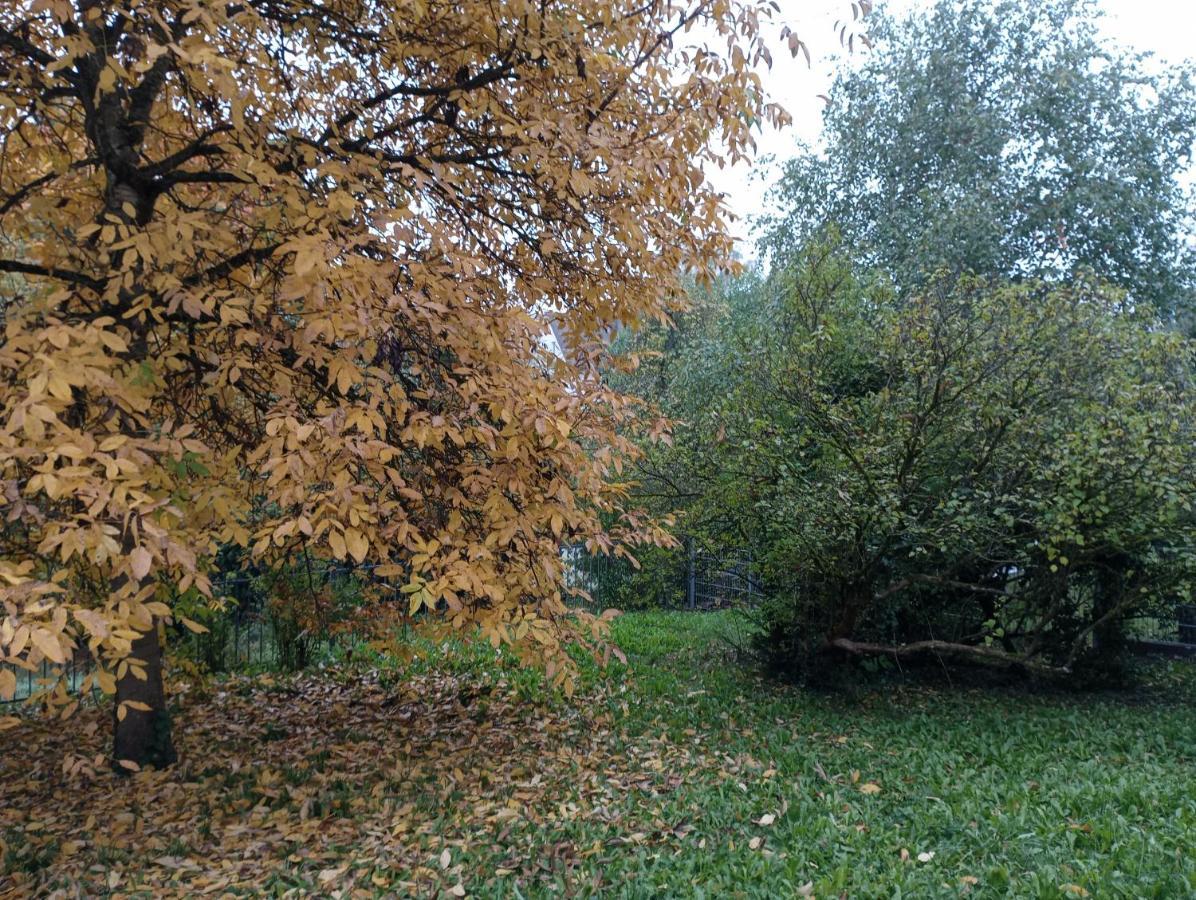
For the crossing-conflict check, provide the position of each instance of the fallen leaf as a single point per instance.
(766, 819)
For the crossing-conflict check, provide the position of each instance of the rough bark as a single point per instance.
(143, 737)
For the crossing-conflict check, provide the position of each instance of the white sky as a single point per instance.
(1161, 27)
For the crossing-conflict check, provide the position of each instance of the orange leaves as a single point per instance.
(122, 710)
(357, 544)
(313, 319)
(48, 644)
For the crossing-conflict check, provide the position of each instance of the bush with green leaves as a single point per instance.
(999, 474)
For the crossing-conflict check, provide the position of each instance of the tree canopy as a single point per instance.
(989, 472)
(276, 273)
(1007, 139)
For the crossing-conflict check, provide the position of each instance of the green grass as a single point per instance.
(681, 774)
(1015, 793)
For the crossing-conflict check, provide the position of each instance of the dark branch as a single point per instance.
(20, 268)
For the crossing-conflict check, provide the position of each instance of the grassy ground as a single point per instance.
(680, 775)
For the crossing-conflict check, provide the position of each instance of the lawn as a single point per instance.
(681, 774)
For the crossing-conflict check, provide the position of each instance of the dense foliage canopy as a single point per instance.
(275, 277)
(999, 473)
(1007, 139)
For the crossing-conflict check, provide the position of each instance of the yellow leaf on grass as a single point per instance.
(870, 787)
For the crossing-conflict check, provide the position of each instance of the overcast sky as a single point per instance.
(1162, 27)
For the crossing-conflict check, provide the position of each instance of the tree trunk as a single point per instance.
(1108, 638)
(143, 737)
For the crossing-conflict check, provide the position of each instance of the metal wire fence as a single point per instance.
(252, 633)
(1176, 625)
(687, 577)
(247, 632)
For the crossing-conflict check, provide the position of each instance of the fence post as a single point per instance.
(691, 574)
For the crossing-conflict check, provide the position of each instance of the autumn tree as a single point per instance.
(274, 276)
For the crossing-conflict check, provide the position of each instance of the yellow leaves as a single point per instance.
(870, 788)
(357, 544)
(417, 598)
(363, 374)
(8, 684)
(7, 722)
(336, 540)
(48, 644)
(140, 561)
(343, 374)
(193, 626)
(122, 709)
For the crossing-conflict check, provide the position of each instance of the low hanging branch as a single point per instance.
(989, 655)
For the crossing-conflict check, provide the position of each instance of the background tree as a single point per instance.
(995, 474)
(1005, 139)
(287, 258)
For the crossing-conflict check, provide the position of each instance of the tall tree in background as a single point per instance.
(288, 257)
(1006, 139)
